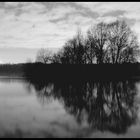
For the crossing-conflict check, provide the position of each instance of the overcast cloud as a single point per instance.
(33, 25)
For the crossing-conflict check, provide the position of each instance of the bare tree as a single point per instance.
(97, 39)
(105, 43)
(44, 56)
(73, 51)
(111, 43)
(122, 43)
(57, 57)
(89, 50)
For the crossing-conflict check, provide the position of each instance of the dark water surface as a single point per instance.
(77, 109)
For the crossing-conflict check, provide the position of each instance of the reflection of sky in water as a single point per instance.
(22, 115)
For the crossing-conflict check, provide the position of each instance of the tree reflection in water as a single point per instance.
(105, 106)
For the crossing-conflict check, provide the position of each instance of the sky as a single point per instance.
(25, 27)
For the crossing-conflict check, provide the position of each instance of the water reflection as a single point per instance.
(103, 106)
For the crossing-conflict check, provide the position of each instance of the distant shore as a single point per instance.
(71, 72)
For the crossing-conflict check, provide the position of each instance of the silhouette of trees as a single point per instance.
(57, 57)
(104, 43)
(97, 40)
(73, 50)
(113, 43)
(44, 56)
(122, 43)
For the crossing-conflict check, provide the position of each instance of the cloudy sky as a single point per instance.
(27, 26)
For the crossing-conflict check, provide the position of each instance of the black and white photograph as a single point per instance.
(69, 69)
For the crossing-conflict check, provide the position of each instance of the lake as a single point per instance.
(70, 109)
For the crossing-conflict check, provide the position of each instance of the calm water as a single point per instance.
(82, 109)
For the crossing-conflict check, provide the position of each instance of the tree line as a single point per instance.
(113, 43)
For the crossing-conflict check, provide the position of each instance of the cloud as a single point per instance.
(115, 13)
(32, 28)
(105, 7)
(50, 24)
